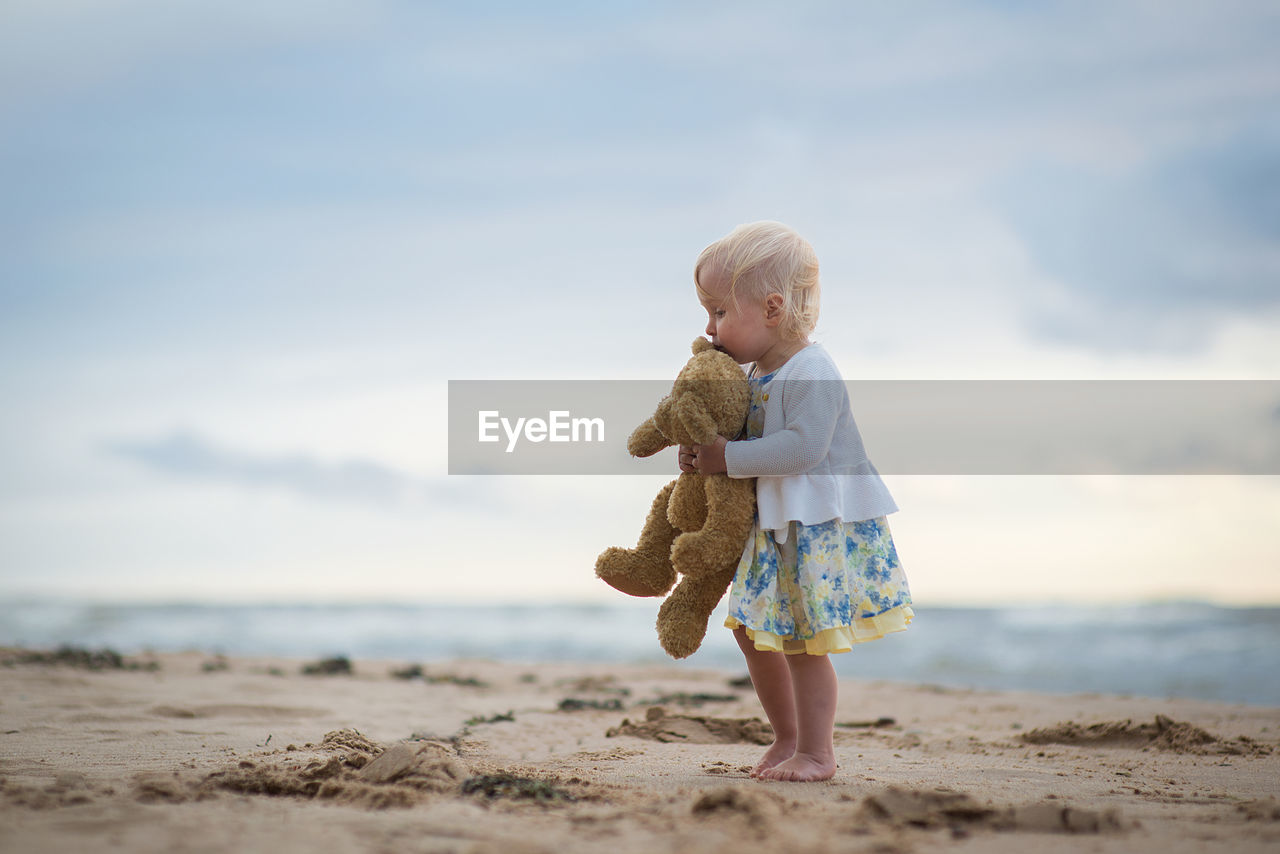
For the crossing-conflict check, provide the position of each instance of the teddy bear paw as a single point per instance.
(680, 631)
(634, 573)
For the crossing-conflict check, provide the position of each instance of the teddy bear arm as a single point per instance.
(695, 418)
(646, 440)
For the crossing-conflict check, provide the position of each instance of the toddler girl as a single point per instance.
(819, 572)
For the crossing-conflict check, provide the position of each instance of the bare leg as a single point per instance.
(814, 682)
(772, 680)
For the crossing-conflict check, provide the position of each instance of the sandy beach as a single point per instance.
(188, 752)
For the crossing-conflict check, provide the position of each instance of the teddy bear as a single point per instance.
(698, 524)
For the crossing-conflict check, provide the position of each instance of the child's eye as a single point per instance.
(719, 312)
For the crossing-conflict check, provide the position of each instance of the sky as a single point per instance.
(246, 246)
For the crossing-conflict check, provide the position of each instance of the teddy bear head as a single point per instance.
(710, 398)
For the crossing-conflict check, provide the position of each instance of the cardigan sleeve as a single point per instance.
(811, 406)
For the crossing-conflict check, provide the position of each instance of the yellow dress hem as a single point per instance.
(834, 640)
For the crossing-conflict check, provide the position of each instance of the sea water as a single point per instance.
(1182, 649)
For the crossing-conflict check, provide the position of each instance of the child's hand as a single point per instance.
(685, 458)
(709, 459)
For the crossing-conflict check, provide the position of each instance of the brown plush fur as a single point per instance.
(698, 524)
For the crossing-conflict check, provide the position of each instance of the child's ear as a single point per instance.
(773, 309)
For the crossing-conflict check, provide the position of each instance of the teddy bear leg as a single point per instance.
(683, 617)
(730, 503)
(645, 570)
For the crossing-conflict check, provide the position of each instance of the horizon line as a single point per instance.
(21, 598)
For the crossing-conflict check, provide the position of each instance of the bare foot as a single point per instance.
(777, 753)
(801, 768)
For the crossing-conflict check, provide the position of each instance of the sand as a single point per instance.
(192, 753)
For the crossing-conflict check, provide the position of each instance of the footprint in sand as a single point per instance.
(233, 710)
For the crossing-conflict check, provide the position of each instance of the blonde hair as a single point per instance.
(763, 258)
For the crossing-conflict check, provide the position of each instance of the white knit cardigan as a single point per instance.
(809, 463)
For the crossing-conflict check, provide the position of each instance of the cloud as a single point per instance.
(1154, 258)
(73, 46)
(199, 180)
(186, 455)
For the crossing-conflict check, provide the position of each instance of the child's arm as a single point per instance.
(811, 409)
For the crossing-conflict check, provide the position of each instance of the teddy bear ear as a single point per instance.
(701, 345)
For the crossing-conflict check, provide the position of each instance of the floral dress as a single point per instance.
(828, 587)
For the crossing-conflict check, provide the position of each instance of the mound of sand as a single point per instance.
(349, 769)
(658, 725)
(947, 808)
(1163, 733)
(1261, 809)
(69, 788)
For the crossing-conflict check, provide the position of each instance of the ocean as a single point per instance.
(1180, 649)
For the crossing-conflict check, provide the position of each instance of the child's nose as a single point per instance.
(711, 327)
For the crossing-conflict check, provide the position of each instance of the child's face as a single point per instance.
(745, 330)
